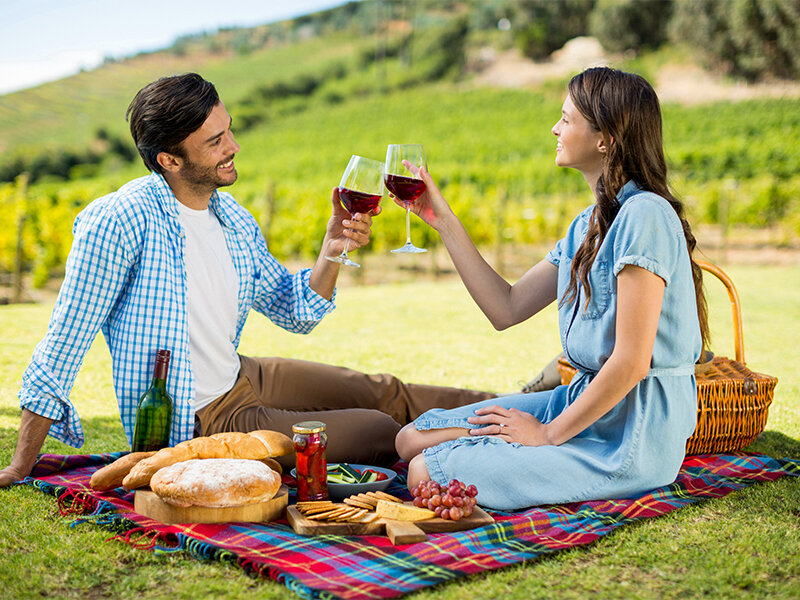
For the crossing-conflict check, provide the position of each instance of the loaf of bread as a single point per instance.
(216, 482)
(255, 445)
(273, 464)
(111, 475)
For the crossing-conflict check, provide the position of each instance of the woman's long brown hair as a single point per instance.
(624, 108)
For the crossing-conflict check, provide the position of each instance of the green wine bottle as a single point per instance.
(154, 412)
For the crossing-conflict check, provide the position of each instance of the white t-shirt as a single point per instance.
(211, 305)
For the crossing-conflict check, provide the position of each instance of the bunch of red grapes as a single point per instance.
(452, 501)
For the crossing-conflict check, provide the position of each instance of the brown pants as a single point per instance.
(363, 413)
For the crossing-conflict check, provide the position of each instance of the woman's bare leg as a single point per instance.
(417, 471)
(410, 442)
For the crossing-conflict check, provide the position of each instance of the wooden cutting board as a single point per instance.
(399, 532)
(149, 504)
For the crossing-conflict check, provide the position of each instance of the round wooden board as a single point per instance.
(147, 503)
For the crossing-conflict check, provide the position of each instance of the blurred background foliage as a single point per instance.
(308, 92)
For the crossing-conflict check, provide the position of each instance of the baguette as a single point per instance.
(111, 476)
(255, 445)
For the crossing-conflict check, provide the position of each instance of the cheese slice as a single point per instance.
(402, 512)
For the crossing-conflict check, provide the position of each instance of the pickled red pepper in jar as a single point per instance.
(310, 444)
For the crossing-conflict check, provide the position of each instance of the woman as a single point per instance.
(632, 319)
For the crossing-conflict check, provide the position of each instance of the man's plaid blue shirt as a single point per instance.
(125, 277)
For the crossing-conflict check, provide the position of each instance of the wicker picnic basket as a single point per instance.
(732, 400)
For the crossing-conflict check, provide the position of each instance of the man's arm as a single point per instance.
(341, 228)
(298, 302)
(96, 272)
(32, 433)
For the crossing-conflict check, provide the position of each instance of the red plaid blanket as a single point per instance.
(333, 566)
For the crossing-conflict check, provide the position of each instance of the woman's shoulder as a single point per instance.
(644, 207)
(580, 223)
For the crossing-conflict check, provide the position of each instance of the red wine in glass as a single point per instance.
(399, 181)
(358, 202)
(406, 189)
(360, 191)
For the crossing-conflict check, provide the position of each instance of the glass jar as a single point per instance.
(310, 445)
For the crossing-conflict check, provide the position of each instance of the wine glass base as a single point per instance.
(342, 259)
(409, 249)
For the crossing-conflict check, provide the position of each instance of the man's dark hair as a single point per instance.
(166, 112)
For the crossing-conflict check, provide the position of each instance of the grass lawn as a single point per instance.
(745, 545)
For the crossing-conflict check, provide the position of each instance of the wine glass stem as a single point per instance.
(346, 248)
(408, 224)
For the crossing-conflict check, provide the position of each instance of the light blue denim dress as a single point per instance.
(640, 443)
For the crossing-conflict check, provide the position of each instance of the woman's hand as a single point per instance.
(341, 226)
(431, 206)
(511, 425)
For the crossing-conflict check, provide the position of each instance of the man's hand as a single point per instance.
(9, 475)
(341, 229)
(33, 430)
(342, 226)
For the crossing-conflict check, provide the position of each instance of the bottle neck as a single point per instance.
(161, 369)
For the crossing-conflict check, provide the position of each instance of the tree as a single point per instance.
(543, 26)
(752, 39)
(621, 25)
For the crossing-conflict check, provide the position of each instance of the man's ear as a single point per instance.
(169, 162)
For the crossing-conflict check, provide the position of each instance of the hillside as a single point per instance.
(69, 112)
(302, 102)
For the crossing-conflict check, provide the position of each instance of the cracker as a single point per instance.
(313, 504)
(385, 496)
(349, 514)
(367, 499)
(354, 501)
(327, 516)
(322, 509)
(367, 517)
(358, 514)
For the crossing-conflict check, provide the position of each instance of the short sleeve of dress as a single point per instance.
(554, 256)
(648, 235)
(565, 247)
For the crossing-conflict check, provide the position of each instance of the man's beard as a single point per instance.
(207, 178)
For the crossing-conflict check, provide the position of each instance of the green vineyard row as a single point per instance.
(491, 151)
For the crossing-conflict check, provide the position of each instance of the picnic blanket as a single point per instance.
(359, 567)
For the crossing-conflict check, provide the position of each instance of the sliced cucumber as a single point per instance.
(368, 477)
(337, 478)
(350, 472)
(344, 473)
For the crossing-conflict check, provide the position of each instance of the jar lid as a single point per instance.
(308, 427)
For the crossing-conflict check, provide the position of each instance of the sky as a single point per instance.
(43, 40)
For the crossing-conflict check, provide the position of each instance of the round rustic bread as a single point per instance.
(216, 482)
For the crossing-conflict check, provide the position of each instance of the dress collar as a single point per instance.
(629, 189)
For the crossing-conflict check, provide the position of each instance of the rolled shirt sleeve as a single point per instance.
(285, 298)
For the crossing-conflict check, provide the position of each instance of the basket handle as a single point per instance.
(736, 307)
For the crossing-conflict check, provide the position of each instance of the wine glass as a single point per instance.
(360, 191)
(406, 186)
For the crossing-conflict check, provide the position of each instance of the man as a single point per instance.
(169, 262)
